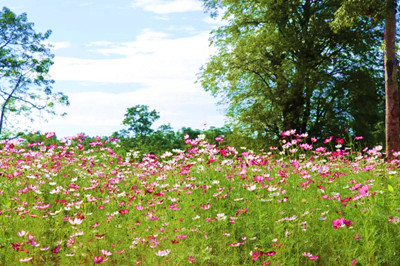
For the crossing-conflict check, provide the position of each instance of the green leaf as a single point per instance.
(390, 188)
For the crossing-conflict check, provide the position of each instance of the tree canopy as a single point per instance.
(351, 11)
(138, 120)
(280, 65)
(25, 60)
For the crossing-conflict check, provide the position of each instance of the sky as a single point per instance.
(112, 55)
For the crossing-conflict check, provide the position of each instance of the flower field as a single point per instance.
(310, 202)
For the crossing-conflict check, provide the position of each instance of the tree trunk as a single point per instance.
(391, 90)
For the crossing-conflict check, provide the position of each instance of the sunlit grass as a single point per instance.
(208, 205)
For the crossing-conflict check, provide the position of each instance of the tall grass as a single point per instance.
(300, 204)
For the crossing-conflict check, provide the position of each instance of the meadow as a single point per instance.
(309, 202)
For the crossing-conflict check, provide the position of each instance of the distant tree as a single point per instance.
(138, 120)
(346, 16)
(25, 61)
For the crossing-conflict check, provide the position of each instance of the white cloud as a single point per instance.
(59, 45)
(151, 58)
(177, 105)
(166, 7)
(181, 28)
(165, 67)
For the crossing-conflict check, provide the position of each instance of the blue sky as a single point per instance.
(112, 55)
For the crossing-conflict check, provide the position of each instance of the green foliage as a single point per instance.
(280, 65)
(351, 11)
(139, 120)
(25, 61)
(139, 136)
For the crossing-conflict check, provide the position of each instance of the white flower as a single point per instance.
(163, 253)
(221, 216)
(76, 220)
(251, 188)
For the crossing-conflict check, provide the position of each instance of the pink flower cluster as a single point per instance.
(341, 222)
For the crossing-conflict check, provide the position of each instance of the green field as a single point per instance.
(305, 203)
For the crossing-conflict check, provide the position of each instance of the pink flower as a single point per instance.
(98, 259)
(174, 207)
(340, 222)
(271, 253)
(237, 244)
(70, 241)
(26, 259)
(76, 220)
(181, 236)
(205, 206)
(22, 233)
(288, 133)
(310, 256)
(106, 252)
(219, 139)
(191, 259)
(337, 223)
(339, 140)
(328, 139)
(56, 249)
(354, 262)
(50, 135)
(363, 190)
(356, 186)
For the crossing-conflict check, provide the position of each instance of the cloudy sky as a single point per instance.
(112, 55)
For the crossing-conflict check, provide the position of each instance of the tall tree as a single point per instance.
(351, 11)
(25, 60)
(280, 65)
(139, 120)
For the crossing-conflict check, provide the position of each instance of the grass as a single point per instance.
(208, 205)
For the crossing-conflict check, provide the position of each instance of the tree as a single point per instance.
(139, 120)
(25, 60)
(346, 16)
(280, 65)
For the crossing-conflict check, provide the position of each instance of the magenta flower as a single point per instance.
(50, 135)
(174, 207)
(337, 223)
(310, 256)
(98, 260)
(271, 253)
(219, 139)
(56, 249)
(328, 139)
(205, 206)
(191, 259)
(340, 222)
(364, 189)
